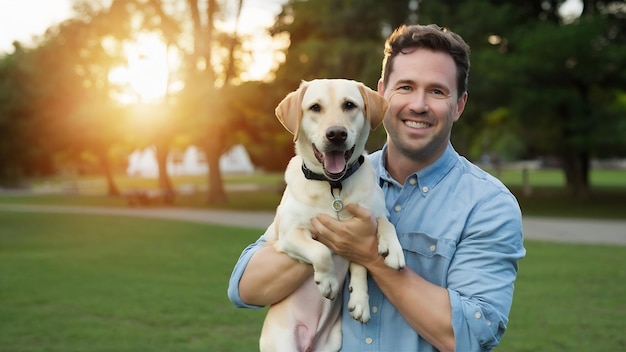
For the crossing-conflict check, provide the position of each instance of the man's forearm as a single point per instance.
(270, 276)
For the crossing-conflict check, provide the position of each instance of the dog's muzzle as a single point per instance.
(335, 155)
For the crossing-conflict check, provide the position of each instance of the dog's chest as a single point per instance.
(319, 197)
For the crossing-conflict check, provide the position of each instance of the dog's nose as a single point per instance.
(337, 134)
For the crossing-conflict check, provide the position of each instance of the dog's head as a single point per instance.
(330, 120)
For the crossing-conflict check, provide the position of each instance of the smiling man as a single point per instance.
(460, 228)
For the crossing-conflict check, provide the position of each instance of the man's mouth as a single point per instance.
(334, 162)
(416, 124)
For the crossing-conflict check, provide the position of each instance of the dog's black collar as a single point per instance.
(333, 184)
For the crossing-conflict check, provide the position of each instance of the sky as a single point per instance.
(21, 19)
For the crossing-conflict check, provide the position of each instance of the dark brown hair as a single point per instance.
(407, 38)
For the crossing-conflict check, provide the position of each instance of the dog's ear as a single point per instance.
(289, 110)
(375, 105)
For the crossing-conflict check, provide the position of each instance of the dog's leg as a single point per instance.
(299, 244)
(388, 244)
(359, 305)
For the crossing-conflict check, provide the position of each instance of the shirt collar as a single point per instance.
(428, 177)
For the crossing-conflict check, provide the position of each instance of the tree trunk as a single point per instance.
(216, 194)
(576, 166)
(112, 190)
(165, 185)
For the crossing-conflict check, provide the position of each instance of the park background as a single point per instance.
(545, 114)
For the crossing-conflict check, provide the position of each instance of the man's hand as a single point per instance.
(354, 239)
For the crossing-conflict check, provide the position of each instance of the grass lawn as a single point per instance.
(96, 283)
(101, 283)
(568, 298)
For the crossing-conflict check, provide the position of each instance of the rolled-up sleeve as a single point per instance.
(235, 277)
(483, 271)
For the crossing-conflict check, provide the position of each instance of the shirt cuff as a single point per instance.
(240, 267)
(475, 325)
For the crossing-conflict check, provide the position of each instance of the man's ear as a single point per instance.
(289, 110)
(375, 105)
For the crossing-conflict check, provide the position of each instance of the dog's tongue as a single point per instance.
(334, 162)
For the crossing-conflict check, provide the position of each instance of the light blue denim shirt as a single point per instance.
(460, 229)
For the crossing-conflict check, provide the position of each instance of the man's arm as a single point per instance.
(264, 276)
(428, 312)
(271, 276)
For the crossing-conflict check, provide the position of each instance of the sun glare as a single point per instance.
(145, 77)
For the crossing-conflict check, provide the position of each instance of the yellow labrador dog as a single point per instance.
(330, 120)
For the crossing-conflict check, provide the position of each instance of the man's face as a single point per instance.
(423, 105)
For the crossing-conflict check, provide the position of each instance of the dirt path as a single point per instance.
(547, 229)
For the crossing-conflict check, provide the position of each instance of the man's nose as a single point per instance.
(418, 102)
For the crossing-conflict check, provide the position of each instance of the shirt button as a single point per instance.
(374, 309)
(397, 208)
(425, 189)
(477, 315)
(488, 322)
(432, 248)
(412, 181)
(368, 340)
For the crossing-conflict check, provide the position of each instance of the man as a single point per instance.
(460, 228)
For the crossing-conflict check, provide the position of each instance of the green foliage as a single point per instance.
(555, 84)
(18, 157)
(336, 39)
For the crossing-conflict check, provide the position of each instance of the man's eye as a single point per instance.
(405, 88)
(439, 94)
(315, 107)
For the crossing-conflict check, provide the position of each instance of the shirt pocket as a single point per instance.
(428, 256)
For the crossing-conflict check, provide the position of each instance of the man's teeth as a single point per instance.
(415, 124)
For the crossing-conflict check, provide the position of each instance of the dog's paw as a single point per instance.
(394, 257)
(383, 247)
(395, 260)
(327, 284)
(359, 306)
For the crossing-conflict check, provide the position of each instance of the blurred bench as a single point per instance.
(142, 197)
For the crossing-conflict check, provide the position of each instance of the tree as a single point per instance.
(74, 66)
(541, 83)
(62, 95)
(210, 80)
(22, 151)
(563, 81)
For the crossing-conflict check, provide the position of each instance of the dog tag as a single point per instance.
(337, 204)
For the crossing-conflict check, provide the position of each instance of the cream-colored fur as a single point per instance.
(319, 113)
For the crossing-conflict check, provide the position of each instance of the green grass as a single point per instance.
(554, 178)
(97, 184)
(263, 199)
(569, 298)
(121, 284)
(96, 283)
(556, 202)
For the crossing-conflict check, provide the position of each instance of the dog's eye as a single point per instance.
(348, 105)
(315, 107)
